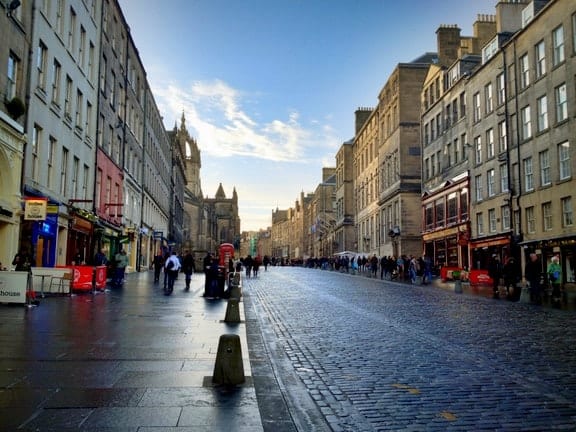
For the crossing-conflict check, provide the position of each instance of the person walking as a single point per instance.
(206, 264)
(554, 272)
(533, 274)
(383, 267)
(248, 263)
(413, 269)
(171, 268)
(511, 277)
(495, 272)
(157, 263)
(374, 265)
(121, 264)
(400, 265)
(427, 270)
(188, 268)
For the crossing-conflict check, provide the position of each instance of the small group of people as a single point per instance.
(509, 274)
(252, 265)
(405, 267)
(553, 275)
(172, 264)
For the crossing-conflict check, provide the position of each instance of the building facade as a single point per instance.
(59, 160)
(344, 229)
(445, 144)
(15, 32)
(395, 229)
(91, 165)
(483, 165)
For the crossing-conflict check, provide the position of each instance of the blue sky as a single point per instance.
(269, 87)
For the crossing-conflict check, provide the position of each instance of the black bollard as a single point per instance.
(232, 311)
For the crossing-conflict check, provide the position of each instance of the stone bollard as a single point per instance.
(235, 289)
(458, 286)
(229, 369)
(232, 311)
(524, 294)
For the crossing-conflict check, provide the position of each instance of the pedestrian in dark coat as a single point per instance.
(533, 275)
(206, 264)
(511, 275)
(158, 263)
(23, 261)
(495, 272)
(188, 268)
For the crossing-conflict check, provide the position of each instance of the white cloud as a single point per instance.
(216, 118)
(268, 161)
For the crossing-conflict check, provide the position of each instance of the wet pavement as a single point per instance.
(321, 351)
(128, 359)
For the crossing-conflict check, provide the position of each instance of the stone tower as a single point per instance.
(207, 221)
(192, 158)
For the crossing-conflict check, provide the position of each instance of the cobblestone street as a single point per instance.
(374, 355)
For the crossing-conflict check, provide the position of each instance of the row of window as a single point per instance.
(74, 35)
(112, 195)
(76, 109)
(547, 218)
(72, 182)
(539, 63)
(446, 210)
(453, 153)
(564, 172)
(542, 120)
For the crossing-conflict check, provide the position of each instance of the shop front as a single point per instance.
(106, 239)
(483, 249)
(39, 230)
(448, 247)
(564, 247)
(144, 247)
(80, 237)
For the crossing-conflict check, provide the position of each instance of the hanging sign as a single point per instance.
(35, 209)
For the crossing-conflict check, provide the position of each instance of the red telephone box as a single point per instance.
(225, 252)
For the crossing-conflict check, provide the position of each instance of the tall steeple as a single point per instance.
(191, 159)
(220, 192)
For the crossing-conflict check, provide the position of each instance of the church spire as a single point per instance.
(220, 192)
(183, 121)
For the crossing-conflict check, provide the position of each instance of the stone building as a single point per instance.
(121, 130)
(387, 165)
(445, 143)
(62, 99)
(345, 238)
(500, 121)
(207, 222)
(291, 232)
(523, 199)
(15, 33)
(156, 199)
(323, 215)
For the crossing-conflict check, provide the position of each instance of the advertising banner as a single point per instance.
(82, 277)
(13, 286)
(480, 277)
(100, 276)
